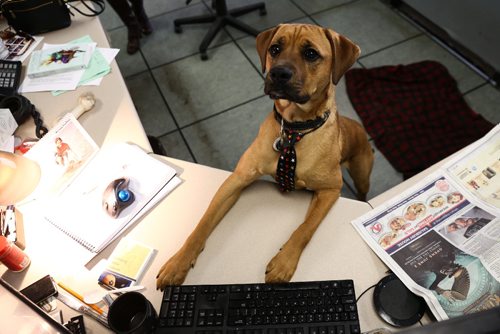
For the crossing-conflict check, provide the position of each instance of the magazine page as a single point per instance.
(478, 169)
(441, 240)
(61, 154)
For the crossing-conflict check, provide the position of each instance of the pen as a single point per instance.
(72, 303)
(80, 298)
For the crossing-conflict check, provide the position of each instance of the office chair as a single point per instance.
(222, 17)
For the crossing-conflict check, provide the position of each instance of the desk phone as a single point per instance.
(10, 76)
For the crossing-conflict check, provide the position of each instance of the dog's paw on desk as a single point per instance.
(175, 270)
(282, 266)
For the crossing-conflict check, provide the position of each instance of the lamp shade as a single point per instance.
(19, 176)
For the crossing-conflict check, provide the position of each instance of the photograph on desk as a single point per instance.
(441, 237)
(61, 153)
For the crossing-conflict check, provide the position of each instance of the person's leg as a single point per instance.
(140, 13)
(122, 8)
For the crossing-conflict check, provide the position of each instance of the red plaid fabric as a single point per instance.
(415, 113)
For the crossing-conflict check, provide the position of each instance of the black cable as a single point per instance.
(21, 109)
(366, 290)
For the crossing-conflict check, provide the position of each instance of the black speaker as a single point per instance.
(396, 304)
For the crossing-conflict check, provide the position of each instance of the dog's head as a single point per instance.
(302, 60)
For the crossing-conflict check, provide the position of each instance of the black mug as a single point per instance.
(132, 313)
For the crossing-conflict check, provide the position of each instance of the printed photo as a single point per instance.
(463, 227)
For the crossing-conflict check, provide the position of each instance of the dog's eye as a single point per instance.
(311, 54)
(274, 50)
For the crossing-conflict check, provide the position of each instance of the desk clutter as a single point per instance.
(62, 67)
(108, 183)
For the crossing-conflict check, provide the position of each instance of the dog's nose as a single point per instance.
(281, 74)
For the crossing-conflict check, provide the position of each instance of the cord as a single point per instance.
(366, 290)
(21, 108)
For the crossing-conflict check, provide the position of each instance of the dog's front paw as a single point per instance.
(282, 267)
(175, 270)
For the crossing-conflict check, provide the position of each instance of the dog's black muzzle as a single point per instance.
(279, 85)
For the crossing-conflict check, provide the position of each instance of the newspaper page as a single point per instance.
(441, 237)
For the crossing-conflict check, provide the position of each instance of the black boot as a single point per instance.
(140, 13)
(122, 8)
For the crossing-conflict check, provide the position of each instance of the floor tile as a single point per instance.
(109, 19)
(486, 101)
(196, 89)
(128, 64)
(152, 110)
(164, 45)
(278, 11)
(423, 48)
(176, 147)
(221, 140)
(314, 6)
(368, 23)
(158, 7)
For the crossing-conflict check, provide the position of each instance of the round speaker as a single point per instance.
(396, 304)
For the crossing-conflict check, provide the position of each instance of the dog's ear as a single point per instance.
(344, 54)
(263, 40)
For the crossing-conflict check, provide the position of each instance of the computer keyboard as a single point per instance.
(319, 307)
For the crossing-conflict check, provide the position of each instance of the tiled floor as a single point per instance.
(209, 111)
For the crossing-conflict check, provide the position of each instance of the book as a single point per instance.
(127, 264)
(60, 59)
(75, 180)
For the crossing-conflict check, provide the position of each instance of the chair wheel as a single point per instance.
(204, 56)
(178, 29)
(262, 11)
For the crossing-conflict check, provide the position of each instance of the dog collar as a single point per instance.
(311, 124)
(291, 133)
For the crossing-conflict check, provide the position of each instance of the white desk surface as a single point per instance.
(238, 250)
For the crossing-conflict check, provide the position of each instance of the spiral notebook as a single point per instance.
(75, 173)
(78, 210)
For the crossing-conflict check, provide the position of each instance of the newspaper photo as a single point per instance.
(441, 237)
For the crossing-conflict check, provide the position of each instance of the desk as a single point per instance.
(238, 250)
(113, 118)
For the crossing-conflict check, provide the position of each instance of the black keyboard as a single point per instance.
(320, 307)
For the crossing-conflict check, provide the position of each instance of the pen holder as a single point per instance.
(132, 313)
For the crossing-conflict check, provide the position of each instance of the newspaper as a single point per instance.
(441, 237)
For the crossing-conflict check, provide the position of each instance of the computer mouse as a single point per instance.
(117, 196)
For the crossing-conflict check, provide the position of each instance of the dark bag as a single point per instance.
(40, 16)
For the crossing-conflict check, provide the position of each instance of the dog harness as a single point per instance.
(290, 134)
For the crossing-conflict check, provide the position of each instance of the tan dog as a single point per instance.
(303, 64)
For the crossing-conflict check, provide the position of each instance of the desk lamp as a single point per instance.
(19, 176)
